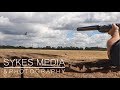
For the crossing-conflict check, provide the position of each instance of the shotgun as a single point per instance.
(100, 28)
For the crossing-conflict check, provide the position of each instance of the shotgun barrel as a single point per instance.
(100, 28)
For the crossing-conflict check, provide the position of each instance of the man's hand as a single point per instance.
(114, 30)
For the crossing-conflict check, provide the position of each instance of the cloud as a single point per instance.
(84, 40)
(4, 21)
(53, 28)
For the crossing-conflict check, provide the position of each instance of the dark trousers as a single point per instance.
(115, 54)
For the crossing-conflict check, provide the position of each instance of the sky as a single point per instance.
(54, 28)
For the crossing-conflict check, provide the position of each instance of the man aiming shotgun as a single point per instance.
(113, 44)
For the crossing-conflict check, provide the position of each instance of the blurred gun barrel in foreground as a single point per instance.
(100, 28)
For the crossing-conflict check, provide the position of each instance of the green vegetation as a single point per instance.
(53, 48)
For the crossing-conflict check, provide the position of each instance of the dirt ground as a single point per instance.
(78, 64)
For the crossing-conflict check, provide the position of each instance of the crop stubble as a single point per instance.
(79, 63)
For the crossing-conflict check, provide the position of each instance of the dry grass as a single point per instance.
(79, 64)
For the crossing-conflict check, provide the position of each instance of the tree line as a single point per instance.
(53, 48)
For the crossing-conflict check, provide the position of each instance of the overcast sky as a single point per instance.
(54, 28)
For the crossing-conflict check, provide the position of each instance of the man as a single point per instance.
(113, 45)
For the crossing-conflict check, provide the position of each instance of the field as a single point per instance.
(78, 63)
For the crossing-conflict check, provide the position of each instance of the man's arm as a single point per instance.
(115, 36)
